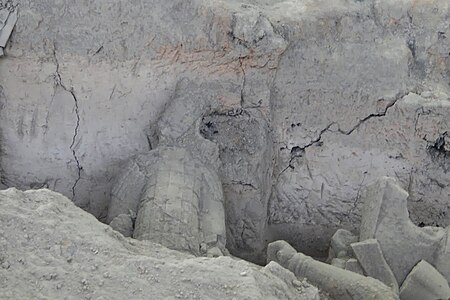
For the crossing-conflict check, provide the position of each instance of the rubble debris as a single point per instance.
(371, 258)
(353, 265)
(385, 218)
(8, 19)
(340, 243)
(424, 282)
(391, 245)
(8, 28)
(340, 284)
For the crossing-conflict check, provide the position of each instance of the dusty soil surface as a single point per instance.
(50, 249)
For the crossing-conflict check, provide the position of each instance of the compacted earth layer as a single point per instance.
(216, 128)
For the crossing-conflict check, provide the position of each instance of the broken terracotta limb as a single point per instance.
(424, 282)
(340, 284)
(371, 258)
(385, 217)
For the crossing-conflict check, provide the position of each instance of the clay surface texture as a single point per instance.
(225, 149)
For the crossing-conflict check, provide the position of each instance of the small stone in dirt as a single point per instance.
(5, 265)
(297, 283)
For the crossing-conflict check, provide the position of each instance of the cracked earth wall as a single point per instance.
(337, 94)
